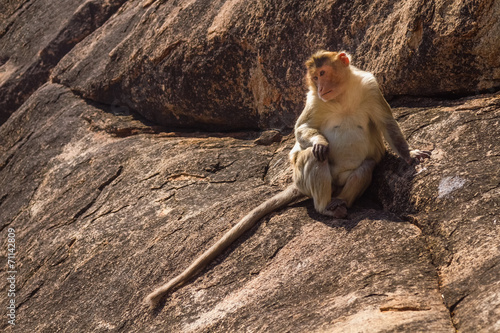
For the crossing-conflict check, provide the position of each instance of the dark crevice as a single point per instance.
(110, 180)
(404, 100)
(275, 253)
(111, 212)
(32, 294)
(100, 188)
(71, 242)
(454, 305)
(218, 166)
(156, 174)
(404, 308)
(418, 129)
(84, 209)
(222, 181)
(123, 125)
(268, 165)
(266, 170)
(432, 256)
(376, 295)
(2, 199)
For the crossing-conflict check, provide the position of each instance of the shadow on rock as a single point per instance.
(387, 198)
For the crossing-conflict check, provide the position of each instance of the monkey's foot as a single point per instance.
(337, 208)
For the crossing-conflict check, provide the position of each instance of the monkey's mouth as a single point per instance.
(324, 94)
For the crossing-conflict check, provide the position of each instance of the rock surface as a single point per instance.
(150, 57)
(104, 209)
(35, 35)
(106, 203)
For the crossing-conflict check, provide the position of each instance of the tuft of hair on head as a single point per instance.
(319, 58)
(322, 57)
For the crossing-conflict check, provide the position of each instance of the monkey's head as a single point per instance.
(327, 74)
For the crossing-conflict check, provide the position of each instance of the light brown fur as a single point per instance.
(339, 133)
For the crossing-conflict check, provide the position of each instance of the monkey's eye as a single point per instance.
(321, 73)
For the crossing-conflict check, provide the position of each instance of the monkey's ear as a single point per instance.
(344, 58)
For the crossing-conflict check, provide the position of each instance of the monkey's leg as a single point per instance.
(313, 179)
(357, 182)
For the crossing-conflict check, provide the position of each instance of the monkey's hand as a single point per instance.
(418, 155)
(320, 152)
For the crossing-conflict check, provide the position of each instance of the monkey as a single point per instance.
(338, 142)
(339, 133)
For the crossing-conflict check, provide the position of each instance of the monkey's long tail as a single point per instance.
(291, 193)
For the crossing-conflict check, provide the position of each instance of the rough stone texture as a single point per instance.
(153, 58)
(456, 195)
(106, 207)
(107, 203)
(35, 35)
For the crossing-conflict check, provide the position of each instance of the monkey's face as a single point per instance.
(327, 82)
(330, 79)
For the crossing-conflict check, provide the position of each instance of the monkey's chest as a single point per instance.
(349, 143)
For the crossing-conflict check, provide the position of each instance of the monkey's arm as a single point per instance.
(307, 137)
(396, 140)
(394, 136)
(390, 128)
(398, 143)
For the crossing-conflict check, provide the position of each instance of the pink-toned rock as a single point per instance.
(106, 202)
